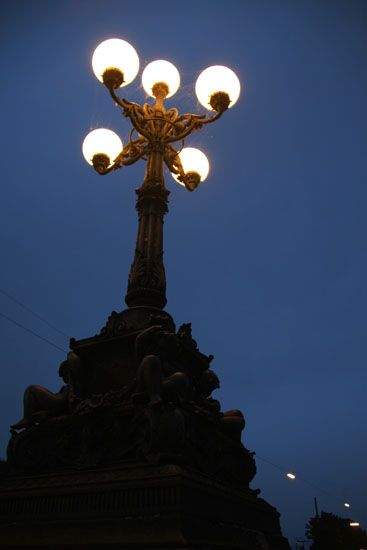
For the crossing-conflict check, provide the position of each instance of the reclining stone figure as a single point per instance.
(39, 403)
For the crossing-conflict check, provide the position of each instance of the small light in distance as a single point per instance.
(291, 476)
(346, 504)
(354, 524)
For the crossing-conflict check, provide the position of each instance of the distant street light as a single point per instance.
(116, 63)
(354, 524)
(291, 476)
(346, 504)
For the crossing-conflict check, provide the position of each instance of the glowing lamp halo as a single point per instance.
(161, 71)
(101, 141)
(193, 160)
(115, 53)
(217, 78)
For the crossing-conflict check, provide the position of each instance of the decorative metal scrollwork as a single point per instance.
(157, 129)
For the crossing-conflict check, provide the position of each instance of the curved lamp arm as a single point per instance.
(194, 122)
(130, 111)
(172, 160)
(174, 164)
(134, 150)
(182, 126)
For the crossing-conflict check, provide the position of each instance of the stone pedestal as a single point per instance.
(134, 452)
(134, 507)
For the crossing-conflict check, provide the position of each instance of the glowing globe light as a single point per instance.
(161, 71)
(346, 504)
(291, 476)
(101, 142)
(217, 79)
(116, 54)
(193, 161)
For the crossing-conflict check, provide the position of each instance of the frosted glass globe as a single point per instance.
(118, 54)
(101, 141)
(193, 160)
(217, 79)
(161, 71)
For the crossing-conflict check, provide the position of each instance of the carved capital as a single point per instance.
(152, 198)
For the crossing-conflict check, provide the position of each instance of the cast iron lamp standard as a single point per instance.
(154, 132)
(137, 451)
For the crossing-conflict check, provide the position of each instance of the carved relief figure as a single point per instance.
(159, 373)
(39, 403)
(232, 422)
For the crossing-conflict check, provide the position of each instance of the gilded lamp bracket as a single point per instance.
(116, 63)
(157, 129)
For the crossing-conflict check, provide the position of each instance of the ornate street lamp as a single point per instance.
(136, 449)
(154, 131)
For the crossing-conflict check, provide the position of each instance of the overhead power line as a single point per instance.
(33, 313)
(293, 476)
(32, 332)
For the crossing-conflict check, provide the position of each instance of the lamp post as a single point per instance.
(142, 455)
(154, 132)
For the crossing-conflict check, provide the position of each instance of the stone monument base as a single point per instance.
(134, 507)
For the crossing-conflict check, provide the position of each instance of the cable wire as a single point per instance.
(330, 495)
(32, 332)
(302, 480)
(33, 313)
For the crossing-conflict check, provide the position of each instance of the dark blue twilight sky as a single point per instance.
(267, 258)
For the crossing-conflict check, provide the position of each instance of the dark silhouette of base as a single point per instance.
(137, 507)
(133, 452)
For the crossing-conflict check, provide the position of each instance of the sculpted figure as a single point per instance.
(198, 361)
(232, 422)
(40, 403)
(159, 373)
